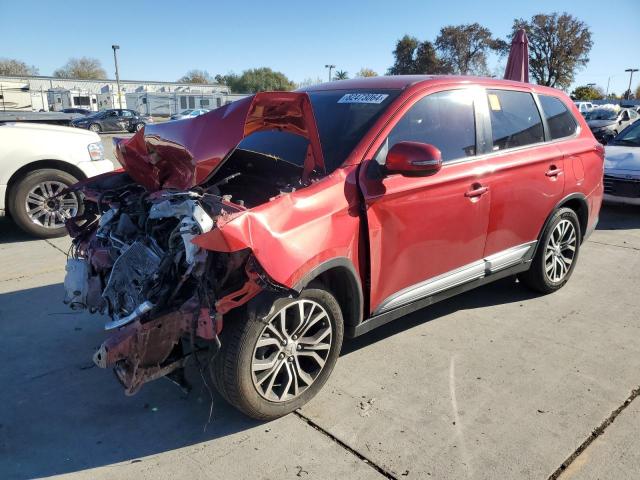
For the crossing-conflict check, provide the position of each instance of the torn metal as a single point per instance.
(136, 255)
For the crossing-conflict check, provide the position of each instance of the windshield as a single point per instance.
(602, 114)
(342, 116)
(629, 137)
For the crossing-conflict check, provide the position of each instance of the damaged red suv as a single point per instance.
(254, 238)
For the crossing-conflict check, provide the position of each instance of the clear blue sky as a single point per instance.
(161, 40)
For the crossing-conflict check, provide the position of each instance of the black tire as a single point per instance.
(232, 368)
(95, 127)
(536, 277)
(18, 198)
(138, 127)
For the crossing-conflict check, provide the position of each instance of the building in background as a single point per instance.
(39, 93)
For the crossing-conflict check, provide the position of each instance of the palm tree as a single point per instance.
(341, 75)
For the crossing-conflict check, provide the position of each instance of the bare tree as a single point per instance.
(196, 76)
(81, 68)
(16, 68)
(559, 45)
(366, 72)
(464, 48)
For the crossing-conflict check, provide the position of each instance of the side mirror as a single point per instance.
(413, 159)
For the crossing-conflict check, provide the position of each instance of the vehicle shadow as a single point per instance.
(60, 414)
(506, 290)
(619, 217)
(11, 233)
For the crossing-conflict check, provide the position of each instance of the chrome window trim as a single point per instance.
(467, 273)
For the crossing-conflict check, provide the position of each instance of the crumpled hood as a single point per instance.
(600, 123)
(619, 158)
(183, 154)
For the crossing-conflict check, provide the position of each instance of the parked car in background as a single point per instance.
(113, 120)
(81, 111)
(606, 123)
(622, 167)
(189, 113)
(270, 228)
(37, 162)
(584, 106)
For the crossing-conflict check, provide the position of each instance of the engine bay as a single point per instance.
(133, 259)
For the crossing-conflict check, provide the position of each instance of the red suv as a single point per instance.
(253, 238)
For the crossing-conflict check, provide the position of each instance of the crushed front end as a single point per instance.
(135, 254)
(132, 258)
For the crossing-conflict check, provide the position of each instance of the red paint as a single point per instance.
(416, 227)
(183, 154)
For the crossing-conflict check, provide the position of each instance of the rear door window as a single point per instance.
(559, 119)
(445, 120)
(515, 120)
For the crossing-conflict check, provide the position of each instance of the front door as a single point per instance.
(427, 234)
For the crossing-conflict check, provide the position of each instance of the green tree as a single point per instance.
(366, 72)
(464, 48)
(412, 56)
(256, 80)
(16, 68)
(587, 93)
(81, 68)
(638, 92)
(559, 45)
(404, 55)
(341, 75)
(196, 76)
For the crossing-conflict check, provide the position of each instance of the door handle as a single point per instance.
(477, 191)
(553, 171)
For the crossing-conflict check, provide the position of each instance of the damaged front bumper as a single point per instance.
(133, 258)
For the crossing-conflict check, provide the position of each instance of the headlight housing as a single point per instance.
(96, 151)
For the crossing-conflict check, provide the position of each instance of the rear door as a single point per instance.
(527, 178)
(427, 234)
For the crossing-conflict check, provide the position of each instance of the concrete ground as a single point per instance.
(496, 383)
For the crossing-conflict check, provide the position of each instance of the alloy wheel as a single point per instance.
(94, 127)
(560, 251)
(45, 208)
(291, 350)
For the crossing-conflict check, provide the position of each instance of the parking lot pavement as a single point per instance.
(496, 383)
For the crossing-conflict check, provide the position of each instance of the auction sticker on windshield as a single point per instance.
(363, 98)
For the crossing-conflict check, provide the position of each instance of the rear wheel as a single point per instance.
(269, 368)
(556, 255)
(36, 206)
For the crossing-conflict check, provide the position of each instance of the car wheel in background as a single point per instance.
(139, 126)
(35, 206)
(270, 368)
(556, 254)
(94, 127)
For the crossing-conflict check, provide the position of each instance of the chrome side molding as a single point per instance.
(467, 273)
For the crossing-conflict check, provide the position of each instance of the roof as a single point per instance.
(404, 81)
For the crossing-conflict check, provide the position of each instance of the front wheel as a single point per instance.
(556, 255)
(94, 127)
(270, 368)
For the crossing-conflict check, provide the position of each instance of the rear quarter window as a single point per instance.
(515, 120)
(559, 119)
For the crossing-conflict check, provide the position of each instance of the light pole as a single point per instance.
(630, 70)
(115, 60)
(591, 84)
(330, 67)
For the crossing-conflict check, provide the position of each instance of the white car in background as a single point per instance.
(39, 161)
(622, 167)
(584, 106)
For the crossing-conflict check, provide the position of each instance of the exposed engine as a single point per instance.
(133, 259)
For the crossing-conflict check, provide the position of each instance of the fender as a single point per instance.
(574, 196)
(350, 297)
